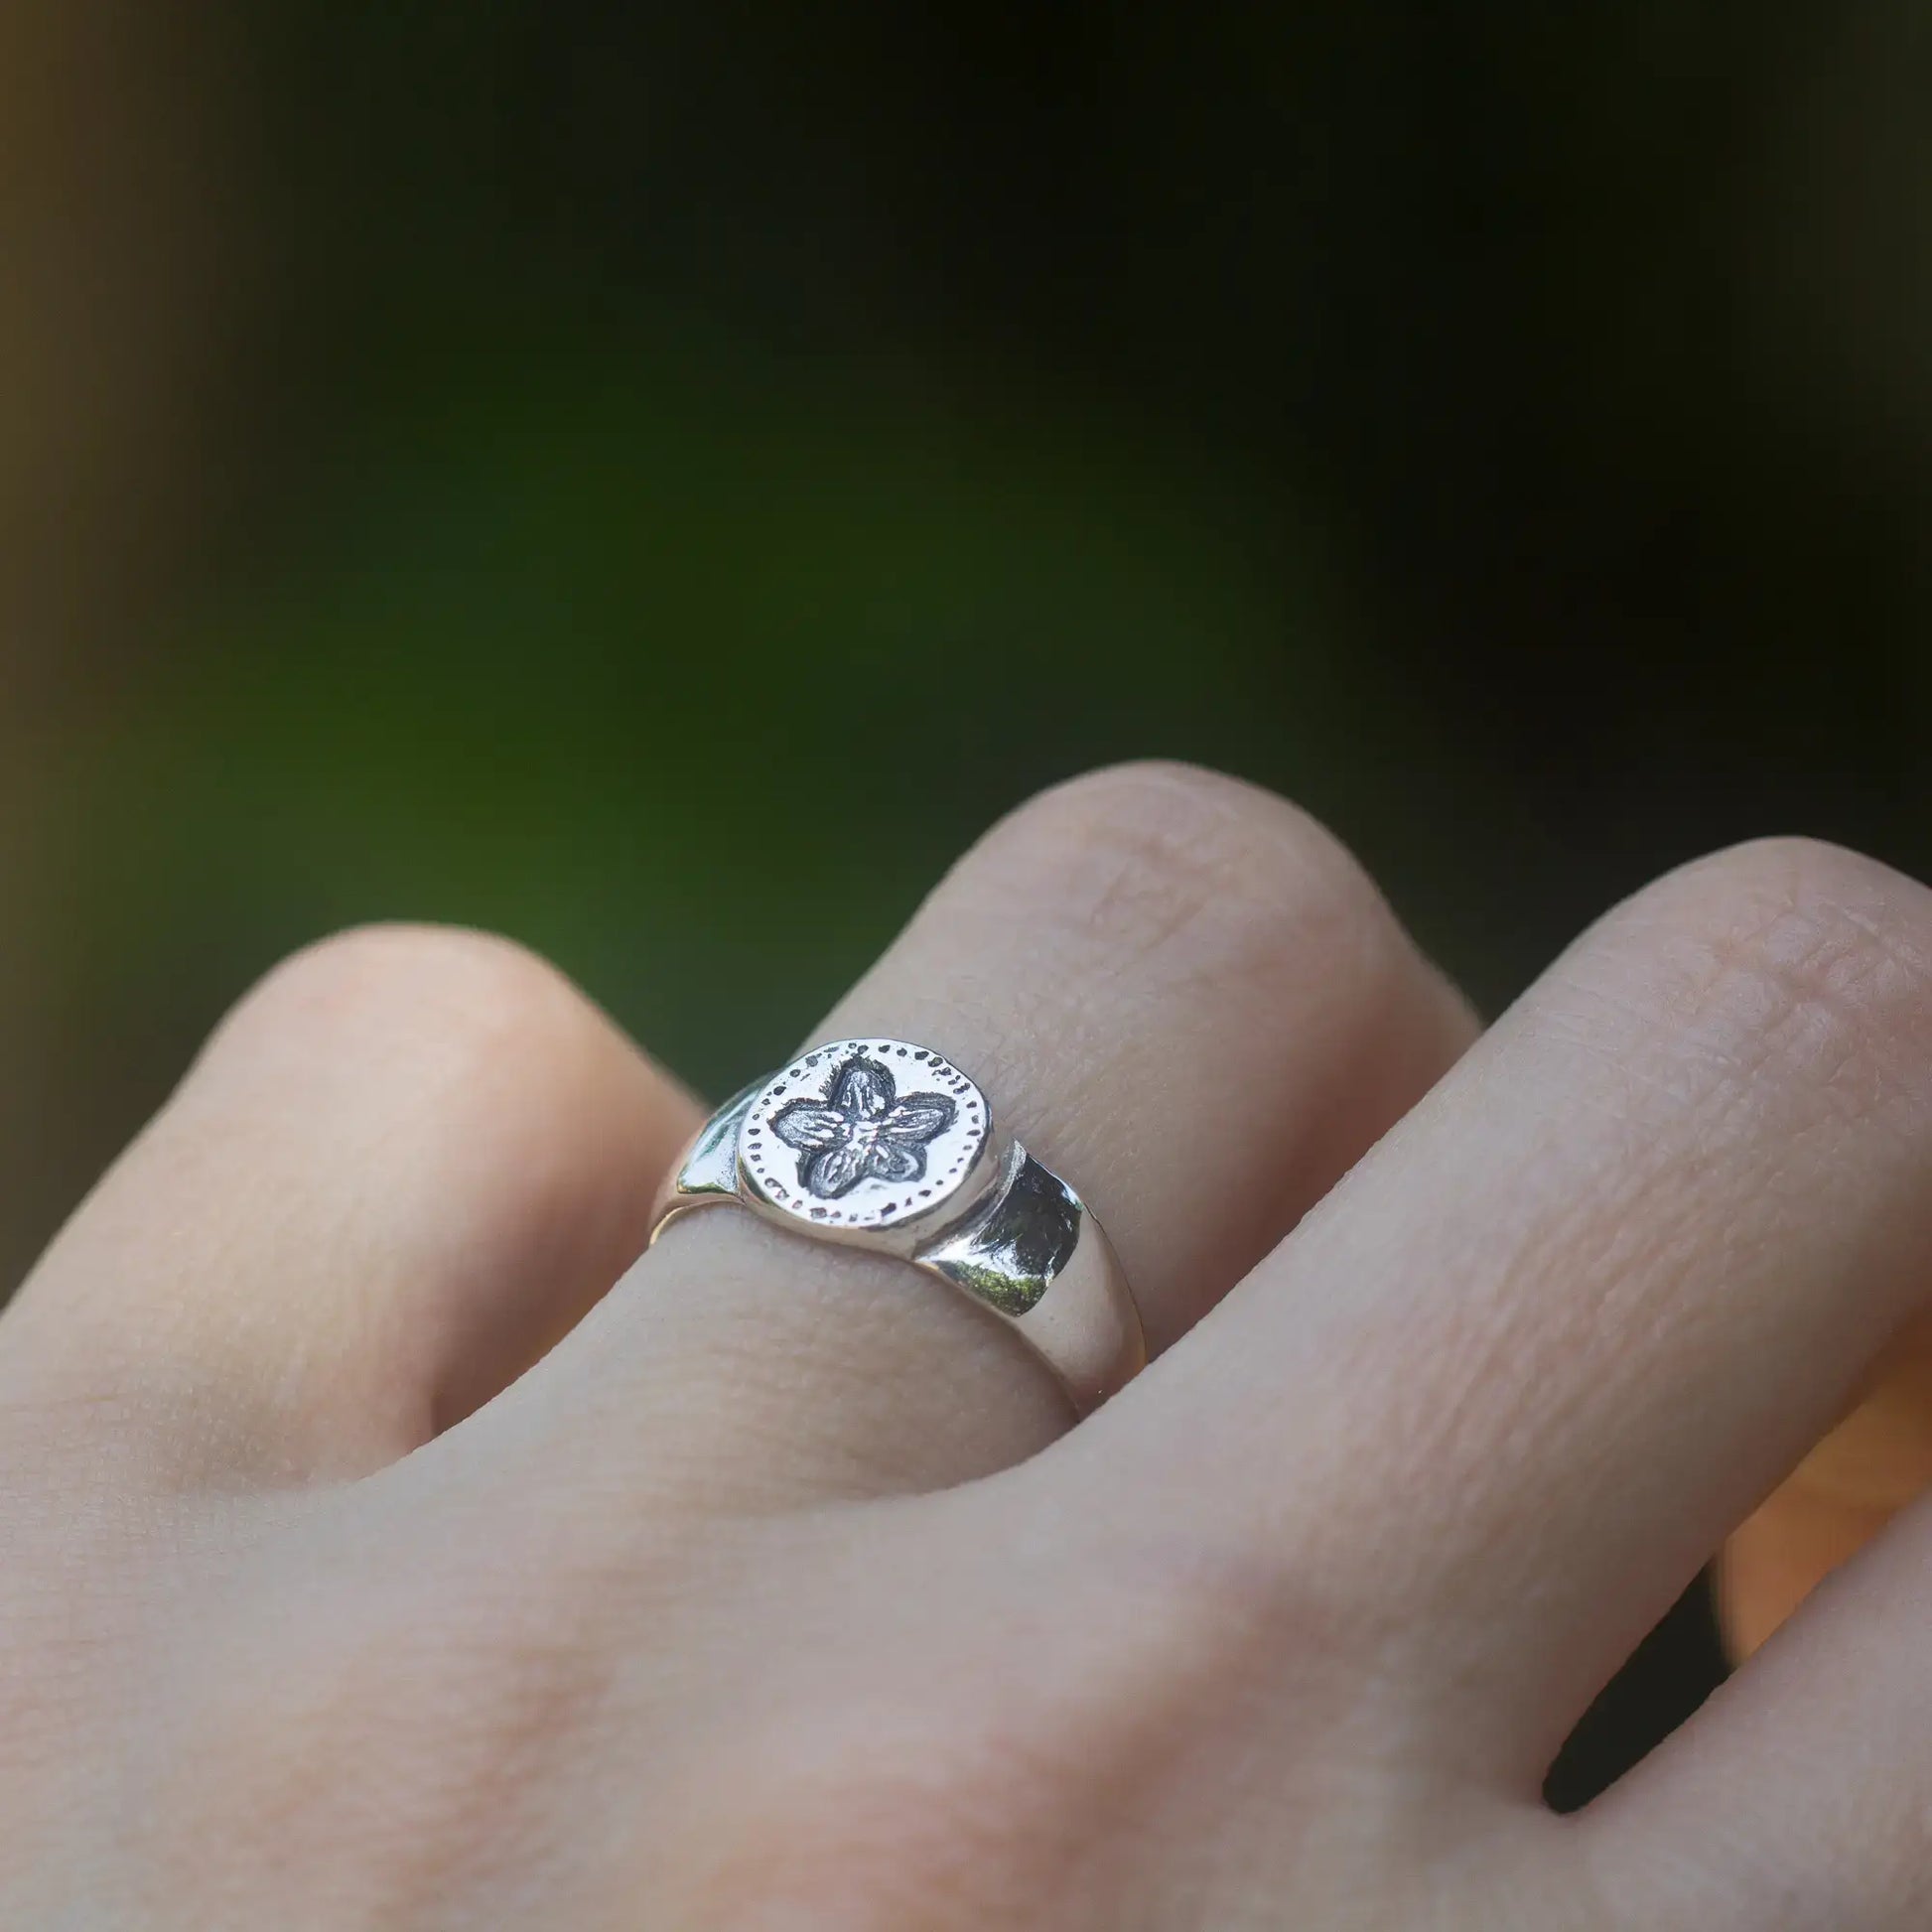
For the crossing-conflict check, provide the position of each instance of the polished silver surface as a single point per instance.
(882, 1144)
(707, 1174)
(1009, 1250)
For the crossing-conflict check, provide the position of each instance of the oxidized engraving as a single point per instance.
(829, 1145)
(860, 1129)
(864, 1135)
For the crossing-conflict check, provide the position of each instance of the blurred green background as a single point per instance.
(462, 462)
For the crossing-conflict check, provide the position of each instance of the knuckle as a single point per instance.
(1802, 957)
(270, 1756)
(264, 1756)
(1172, 863)
(381, 983)
(1008, 1790)
(873, 1818)
(506, 1083)
(367, 977)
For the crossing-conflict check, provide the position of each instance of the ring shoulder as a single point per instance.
(1009, 1250)
(1033, 1252)
(708, 1171)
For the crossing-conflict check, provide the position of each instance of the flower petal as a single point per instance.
(836, 1171)
(919, 1117)
(809, 1127)
(896, 1161)
(864, 1089)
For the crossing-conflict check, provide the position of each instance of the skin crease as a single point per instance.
(368, 1562)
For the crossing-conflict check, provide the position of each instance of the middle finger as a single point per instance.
(1597, 1294)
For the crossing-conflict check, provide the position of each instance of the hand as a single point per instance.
(367, 1565)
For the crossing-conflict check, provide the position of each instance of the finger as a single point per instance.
(1798, 1796)
(1183, 996)
(403, 1167)
(1594, 1298)
(1877, 1460)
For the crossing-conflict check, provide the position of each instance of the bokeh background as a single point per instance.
(463, 461)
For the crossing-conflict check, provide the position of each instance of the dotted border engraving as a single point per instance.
(773, 1168)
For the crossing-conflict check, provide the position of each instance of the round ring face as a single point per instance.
(864, 1135)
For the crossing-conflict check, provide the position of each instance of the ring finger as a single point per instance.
(1186, 999)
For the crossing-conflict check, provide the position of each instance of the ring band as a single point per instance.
(881, 1144)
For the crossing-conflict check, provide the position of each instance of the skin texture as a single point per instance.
(366, 1563)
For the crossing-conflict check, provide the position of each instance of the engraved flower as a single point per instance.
(860, 1129)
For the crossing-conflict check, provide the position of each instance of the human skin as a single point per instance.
(369, 1561)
